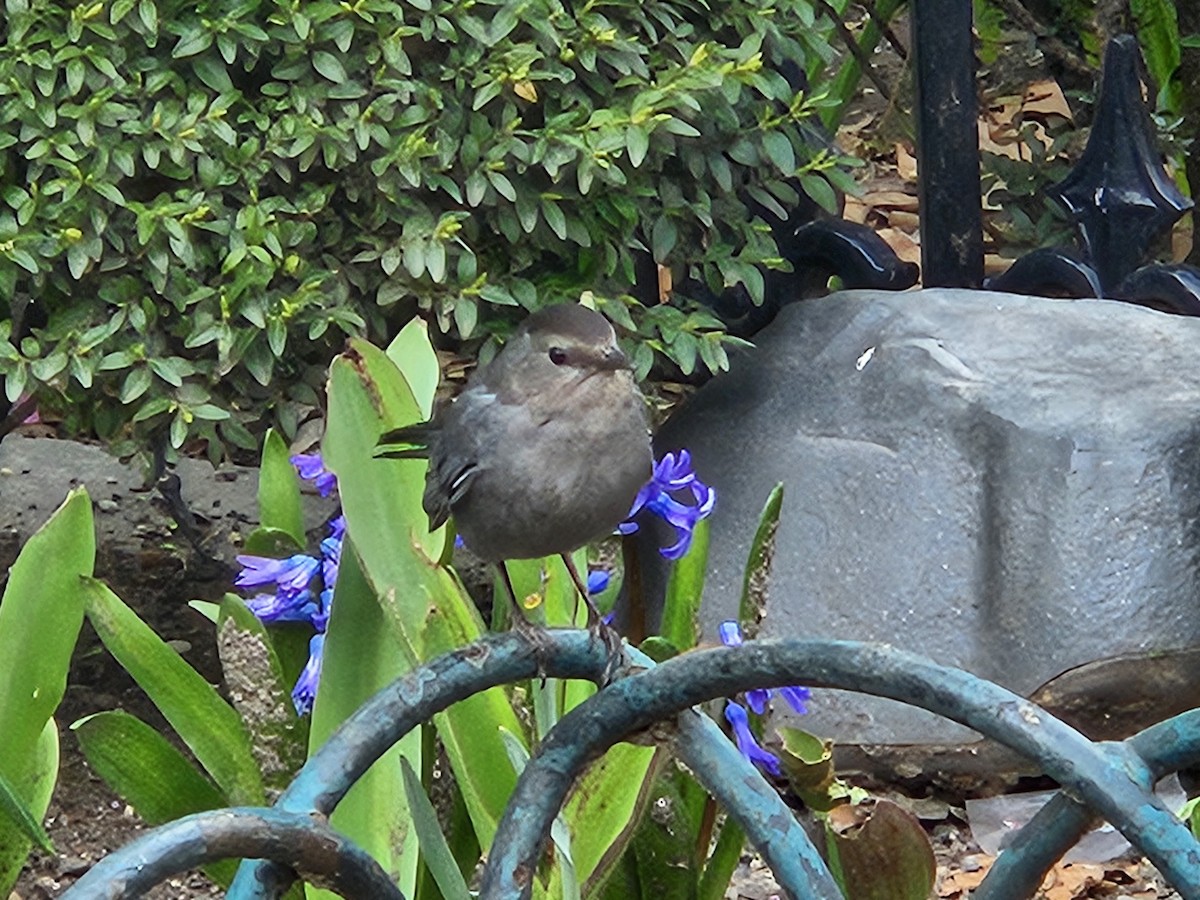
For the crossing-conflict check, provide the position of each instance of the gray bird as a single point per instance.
(543, 452)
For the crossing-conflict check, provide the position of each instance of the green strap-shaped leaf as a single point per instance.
(722, 862)
(279, 490)
(18, 811)
(261, 693)
(361, 656)
(604, 809)
(758, 563)
(423, 602)
(434, 848)
(40, 617)
(35, 789)
(685, 590)
(208, 725)
(147, 771)
(414, 355)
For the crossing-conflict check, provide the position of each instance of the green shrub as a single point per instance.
(198, 202)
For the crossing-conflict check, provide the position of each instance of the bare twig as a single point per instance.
(1070, 60)
(17, 414)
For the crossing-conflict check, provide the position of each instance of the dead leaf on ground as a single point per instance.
(906, 163)
(855, 210)
(1045, 100)
(1072, 881)
(891, 200)
(957, 884)
(905, 245)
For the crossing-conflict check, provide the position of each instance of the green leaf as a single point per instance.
(279, 490)
(261, 692)
(424, 603)
(1158, 36)
(209, 726)
(604, 808)
(362, 656)
(413, 353)
(637, 142)
(658, 648)
(779, 151)
(40, 618)
(555, 219)
(685, 589)
(195, 41)
(211, 71)
(109, 192)
(34, 789)
(662, 238)
(435, 851)
(757, 575)
(819, 190)
(18, 811)
(666, 846)
(722, 862)
(148, 772)
(329, 66)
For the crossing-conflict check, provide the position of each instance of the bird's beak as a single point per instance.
(613, 359)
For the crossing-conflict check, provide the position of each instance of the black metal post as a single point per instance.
(947, 144)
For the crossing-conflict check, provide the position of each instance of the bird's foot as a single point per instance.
(615, 658)
(536, 637)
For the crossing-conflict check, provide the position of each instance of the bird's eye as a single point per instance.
(558, 356)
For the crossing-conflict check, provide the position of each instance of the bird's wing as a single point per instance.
(455, 452)
(409, 442)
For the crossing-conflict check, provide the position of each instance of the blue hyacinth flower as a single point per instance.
(757, 698)
(673, 474)
(281, 607)
(597, 581)
(311, 467)
(291, 575)
(304, 585)
(305, 690)
(747, 743)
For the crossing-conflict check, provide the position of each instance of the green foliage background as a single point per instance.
(198, 202)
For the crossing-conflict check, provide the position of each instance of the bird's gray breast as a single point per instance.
(552, 473)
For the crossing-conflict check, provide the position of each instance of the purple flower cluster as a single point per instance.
(673, 475)
(301, 586)
(757, 699)
(311, 467)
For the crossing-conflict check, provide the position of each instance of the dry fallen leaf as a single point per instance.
(664, 284)
(906, 163)
(855, 210)
(1072, 881)
(1044, 100)
(903, 244)
(958, 884)
(891, 200)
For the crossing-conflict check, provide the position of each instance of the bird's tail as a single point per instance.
(409, 442)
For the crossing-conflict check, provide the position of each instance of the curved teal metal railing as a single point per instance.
(1110, 780)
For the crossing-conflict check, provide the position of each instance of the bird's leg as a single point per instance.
(522, 625)
(597, 627)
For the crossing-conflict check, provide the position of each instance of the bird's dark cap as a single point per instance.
(570, 320)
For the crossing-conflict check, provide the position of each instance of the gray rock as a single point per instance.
(1006, 484)
(137, 543)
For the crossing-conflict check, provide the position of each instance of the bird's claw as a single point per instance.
(614, 645)
(535, 636)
